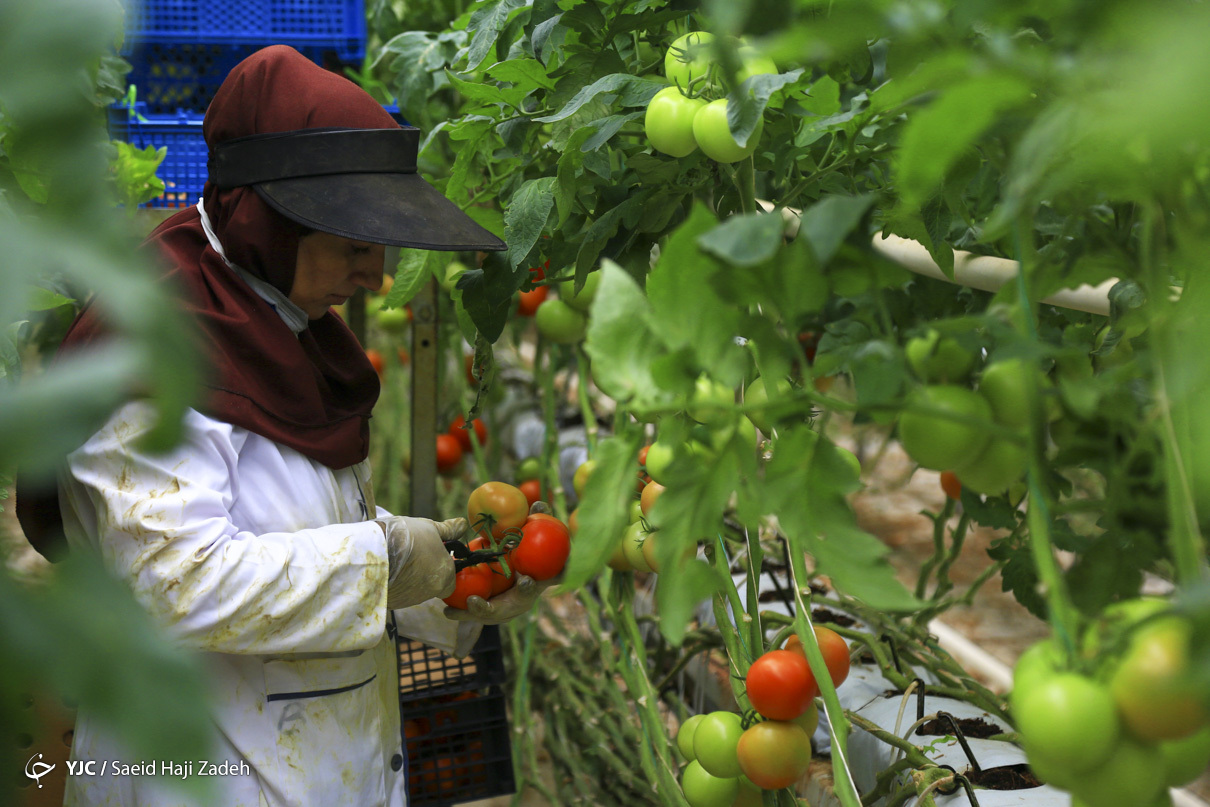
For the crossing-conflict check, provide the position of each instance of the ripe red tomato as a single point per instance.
(532, 488)
(499, 505)
(449, 453)
(471, 581)
(501, 581)
(950, 485)
(774, 754)
(781, 685)
(643, 456)
(528, 301)
(835, 652)
(545, 545)
(377, 361)
(463, 436)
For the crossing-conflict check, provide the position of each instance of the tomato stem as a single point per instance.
(590, 418)
(745, 183)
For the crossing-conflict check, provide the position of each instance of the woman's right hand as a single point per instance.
(420, 567)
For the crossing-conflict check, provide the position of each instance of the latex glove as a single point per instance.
(510, 604)
(420, 567)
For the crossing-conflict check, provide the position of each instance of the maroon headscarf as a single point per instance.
(312, 392)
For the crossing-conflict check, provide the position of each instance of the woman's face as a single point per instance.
(330, 268)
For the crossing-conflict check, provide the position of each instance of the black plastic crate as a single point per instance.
(458, 748)
(425, 672)
(168, 77)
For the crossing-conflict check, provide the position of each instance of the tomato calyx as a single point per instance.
(465, 557)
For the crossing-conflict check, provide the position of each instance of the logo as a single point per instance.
(36, 770)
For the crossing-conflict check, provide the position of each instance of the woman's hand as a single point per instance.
(421, 568)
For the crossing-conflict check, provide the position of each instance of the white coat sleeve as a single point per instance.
(163, 524)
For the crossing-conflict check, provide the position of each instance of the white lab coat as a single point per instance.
(268, 563)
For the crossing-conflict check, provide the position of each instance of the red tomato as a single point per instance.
(377, 360)
(528, 301)
(651, 492)
(499, 505)
(404, 358)
(463, 436)
(781, 685)
(951, 485)
(835, 652)
(774, 754)
(501, 581)
(472, 581)
(643, 456)
(449, 453)
(532, 488)
(545, 545)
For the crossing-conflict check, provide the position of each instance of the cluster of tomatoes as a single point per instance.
(456, 442)
(978, 435)
(1124, 720)
(540, 543)
(730, 763)
(679, 120)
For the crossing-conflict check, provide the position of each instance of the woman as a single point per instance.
(257, 540)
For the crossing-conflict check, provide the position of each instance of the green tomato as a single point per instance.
(753, 64)
(632, 547)
(659, 457)
(715, 741)
(453, 271)
(719, 437)
(713, 134)
(1040, 661)
(580, 480)
(689, 58)
(1001, 463)
(939, 359)
(669, 122)
(582, 301)
(705, 790)
(712, 403)
(1132, 775)
(684, 736)
(749, 795)
(392, 320)
(1067, 722)
(1153, 687)
(937, 442)
(1005, 385)
(1185, 759)
(560, 323)
(529, 468)
(636, 511)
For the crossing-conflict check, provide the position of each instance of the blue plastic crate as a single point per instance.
(184, 166)
(339, 25)
(171, 77)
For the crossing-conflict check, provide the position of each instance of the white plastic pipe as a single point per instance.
(987, 273)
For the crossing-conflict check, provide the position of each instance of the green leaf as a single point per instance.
(622, 340)
(571, 164)
(746, 104)
(805, 486)
(40, 299)
(629, 91)
(938, 135)
(828, 222)
(607, 128)
(745, 240)
(823, 98)
(487, 295)
(526, 216)
(604, 511)
(707, 327)
(414, 269)
(485, 26)
(605, 227)
(486, 93)
(525, 72)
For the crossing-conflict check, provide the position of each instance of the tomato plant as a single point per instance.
(713, 134)
(473, 581)
(669, 122)
(532, 488)
(497, 507)
(703, 789)
(946, 433)
(950, 485)
(545, 545)
(714, 743)
(835, 652)
(501, 580)
(688, 59)
(1153, 683)
(780, 685)
(1067, 722)
(774, 754)
(449, 453)
(581, 301)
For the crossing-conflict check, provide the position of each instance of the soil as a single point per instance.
(971, 727)
(1010, 777)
